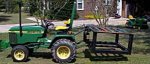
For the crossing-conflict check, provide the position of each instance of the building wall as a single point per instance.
(87, 11)
(83, 13)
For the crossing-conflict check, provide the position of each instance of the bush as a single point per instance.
(51, 14)
(66, 12)
(91, 16)
(16, 9)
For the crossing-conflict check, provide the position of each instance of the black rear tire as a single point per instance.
(64, 43)
(18, 51)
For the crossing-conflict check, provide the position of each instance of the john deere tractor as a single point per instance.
(60, 40)
(140, 22)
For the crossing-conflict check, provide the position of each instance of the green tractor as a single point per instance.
(24, 40)
(60, 40)
(140, 23)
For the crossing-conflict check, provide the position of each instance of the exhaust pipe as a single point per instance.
(20, 23)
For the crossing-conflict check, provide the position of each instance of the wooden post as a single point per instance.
(124, 8)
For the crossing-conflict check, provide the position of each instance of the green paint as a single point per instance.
(27, 28)
(137, 22)
(73, 15)
(30, 34)
(15, 38)
(45, 42)
(65, 36)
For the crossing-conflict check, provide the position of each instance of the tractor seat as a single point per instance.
(131, 17)
(63, 27)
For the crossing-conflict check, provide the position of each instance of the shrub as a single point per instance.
(66, 12)
(91, 16)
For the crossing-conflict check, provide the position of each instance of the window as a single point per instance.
(80, 4)
(107, 2)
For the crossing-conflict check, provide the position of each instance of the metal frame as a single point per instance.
(93, 44)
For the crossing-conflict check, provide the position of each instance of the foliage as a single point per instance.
(51, 9)
(100, 9)
(11, 6)
(65, 13)
(49, 15)
(13, 18)
(38, 13)
(33, 7)
(2, 5)
(54, 9)
(91, 16)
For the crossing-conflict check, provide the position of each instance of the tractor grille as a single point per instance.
(13, 38)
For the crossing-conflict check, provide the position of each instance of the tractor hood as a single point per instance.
(27, 28)
(28, 32)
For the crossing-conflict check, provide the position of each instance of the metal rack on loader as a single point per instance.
(94, 45)
(62, 43)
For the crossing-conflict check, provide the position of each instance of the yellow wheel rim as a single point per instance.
(63, 52)
(19, 55)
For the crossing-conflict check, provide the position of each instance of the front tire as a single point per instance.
(19, 53)
(63, 50)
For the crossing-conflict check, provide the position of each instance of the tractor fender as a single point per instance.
(70, 37)
(131, 22)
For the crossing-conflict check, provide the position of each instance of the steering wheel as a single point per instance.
(48, 24)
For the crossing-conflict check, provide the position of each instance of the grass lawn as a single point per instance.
(140, 53)
(13, 18)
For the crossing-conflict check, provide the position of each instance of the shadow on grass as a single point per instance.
(141, 39)
(147, 42)
(44, 55)
(105, 57)
(142, 36)
(4, 18)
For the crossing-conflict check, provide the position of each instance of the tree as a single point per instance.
(65, 13)
(51, 9)
(38, 15)
(54, 9)
(101, 9)
(11, 6)
(2, 6)
(33, 6)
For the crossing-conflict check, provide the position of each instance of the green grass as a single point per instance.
(13, 18)
(140, 53)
